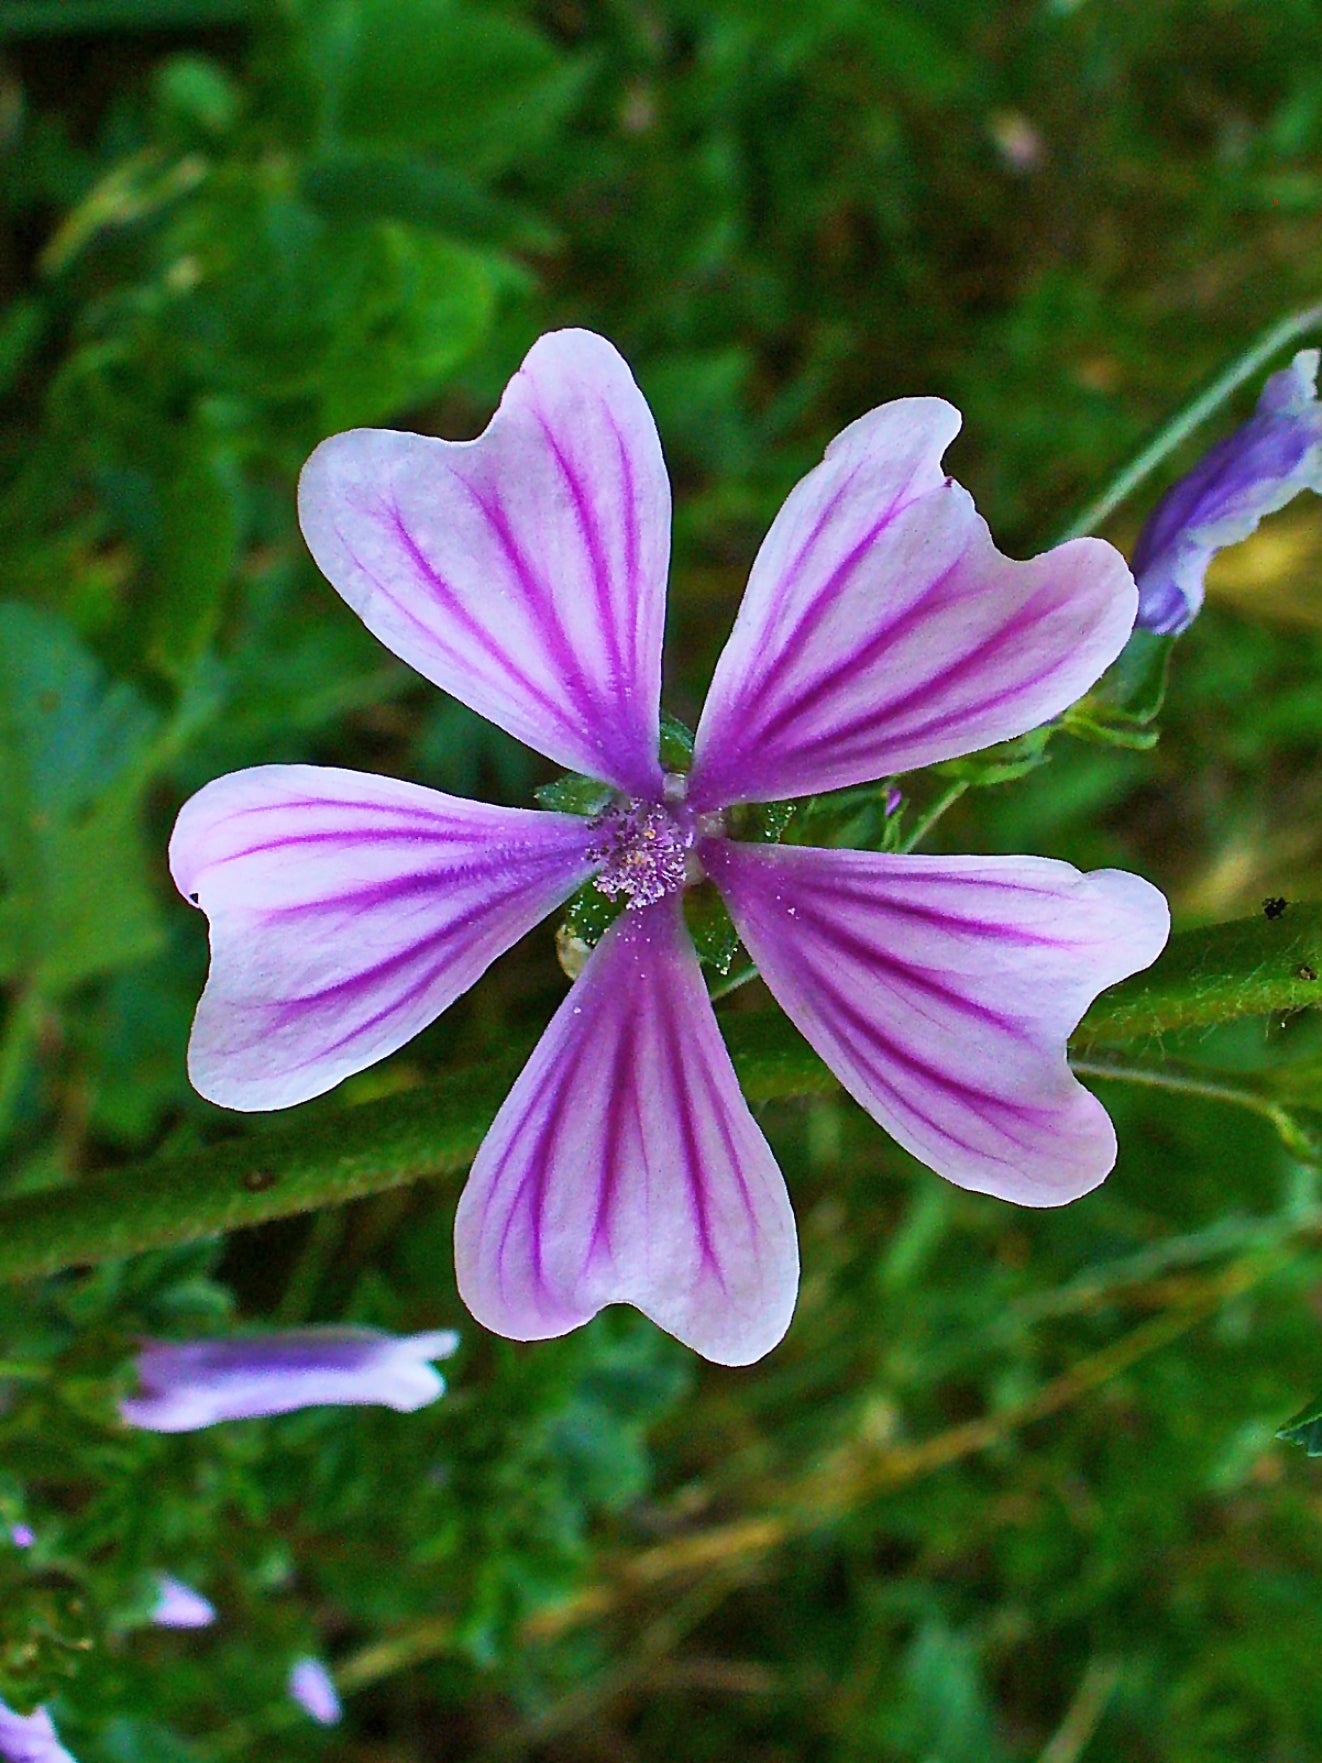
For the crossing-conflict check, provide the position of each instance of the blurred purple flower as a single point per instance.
(1254, 471)
(179, 1606)
(30, 1738)
(191, 1384)
(525, 573)
(22, 1536)
(313, 1688)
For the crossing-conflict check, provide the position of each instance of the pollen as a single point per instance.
(644, 852)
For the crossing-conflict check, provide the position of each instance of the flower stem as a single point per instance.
(1213, 1086)
(322, 1155)
(1244, 367)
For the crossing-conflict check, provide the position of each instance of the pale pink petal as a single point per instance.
(30, 1738)
(941, 991)
(347, 911)
(625, 1167)
(186, 1385)
(882, 630)
(524, 572)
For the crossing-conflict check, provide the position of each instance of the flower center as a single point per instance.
(645, 849)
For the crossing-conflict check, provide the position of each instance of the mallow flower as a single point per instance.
(179, 1606)
(1254, 471)
(525, 573)
(30, 1738)
(313, 1688)
(190, 1384)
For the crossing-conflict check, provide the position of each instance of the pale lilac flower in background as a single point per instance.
(191, 1384)
(525, 572)
(22, 1536)
(30, 1738)
(1259, 468)
(179, 1606)
(313, 1688)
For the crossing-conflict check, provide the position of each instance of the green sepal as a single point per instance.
(760, 823)
(1002, 763)
(1126, 701)
(1305, 1429)
(711, 927)
(590, 914)
(676, 744)
(575, 794)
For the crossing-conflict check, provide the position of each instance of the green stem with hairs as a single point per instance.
(321, 1155)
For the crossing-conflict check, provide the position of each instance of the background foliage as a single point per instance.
(1009, 1491)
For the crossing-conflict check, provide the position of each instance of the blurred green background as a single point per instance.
(1009, 1491)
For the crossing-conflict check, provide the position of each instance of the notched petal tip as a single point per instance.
(347, 912)
(942, 992)
(625, 1167)
(882, 630)
(525, 571)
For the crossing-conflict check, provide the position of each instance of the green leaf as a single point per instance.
(363, 184)
(471, 83)
(1305, 1429)
(575, 794)
(676, 744)
(1002, 763)
(74, 895)
(1121, 708)
(421, 306)
(1247, 967)
(711, 927)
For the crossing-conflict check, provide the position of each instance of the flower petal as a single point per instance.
(626, 1168)
(941, 992)
(1248, 474)
(347, 912)
(179, 1606)
(30, 1738)
(313, 1688)
(191, 1384)
(525, 572)
(882, 630)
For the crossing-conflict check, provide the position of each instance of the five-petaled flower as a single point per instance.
(525, 572)
(1252, 472)
(191, 1384)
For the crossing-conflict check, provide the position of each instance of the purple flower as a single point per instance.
(525, 572)
(1254, 471)
(30, 1738)
(22, 1536)
(191, 1384)
(179, 1606)
(313, 1688)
